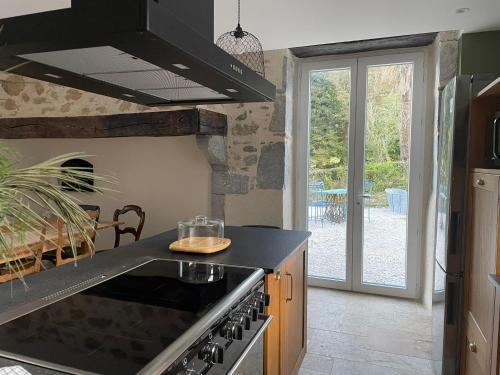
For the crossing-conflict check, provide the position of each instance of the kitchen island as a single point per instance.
(281, 254)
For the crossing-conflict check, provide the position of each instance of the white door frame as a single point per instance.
(303, 158)
(355, 181)
(415, 188)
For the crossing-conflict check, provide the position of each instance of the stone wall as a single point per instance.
(251, 167)
(252, 176)
(25, 97)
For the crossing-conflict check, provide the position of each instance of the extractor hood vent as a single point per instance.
(121, 69)
(135, 50)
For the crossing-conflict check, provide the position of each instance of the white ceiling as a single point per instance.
(291, 23)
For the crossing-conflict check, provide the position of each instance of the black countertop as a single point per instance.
(251, 247)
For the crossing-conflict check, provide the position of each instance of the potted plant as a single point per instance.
(29, 195)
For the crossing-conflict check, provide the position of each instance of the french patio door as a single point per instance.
(361, 195)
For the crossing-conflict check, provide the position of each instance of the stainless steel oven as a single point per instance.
(150, 319)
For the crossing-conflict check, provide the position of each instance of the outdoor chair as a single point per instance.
(317, 203)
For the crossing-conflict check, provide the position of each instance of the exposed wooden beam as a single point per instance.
(145, 124)
(405, 41)
(211, 123)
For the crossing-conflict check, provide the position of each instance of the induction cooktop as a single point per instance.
(123, 323)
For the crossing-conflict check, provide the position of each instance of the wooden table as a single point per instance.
(33, 241)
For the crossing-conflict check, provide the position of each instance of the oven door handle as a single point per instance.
(495, 142)
(250, 345)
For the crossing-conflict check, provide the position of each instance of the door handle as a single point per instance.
(473, 347)
(290, 277)
(362, 198)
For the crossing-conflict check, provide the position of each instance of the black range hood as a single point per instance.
(142, 51)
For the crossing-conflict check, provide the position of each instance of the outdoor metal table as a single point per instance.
(336, 208)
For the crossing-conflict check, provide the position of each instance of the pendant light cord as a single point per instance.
(239, 11)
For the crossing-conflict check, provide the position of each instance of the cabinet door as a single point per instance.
(293, 310)
(476, 350)
(272, 335)
(482, 262)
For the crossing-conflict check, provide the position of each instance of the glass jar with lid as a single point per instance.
(201, 227)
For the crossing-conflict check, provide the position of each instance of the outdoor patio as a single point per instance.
(384, 248)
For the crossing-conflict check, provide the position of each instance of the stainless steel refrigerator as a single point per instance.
(452, 192)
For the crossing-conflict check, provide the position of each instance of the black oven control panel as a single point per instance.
(222, 346)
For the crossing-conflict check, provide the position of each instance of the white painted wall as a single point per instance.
(168, 177)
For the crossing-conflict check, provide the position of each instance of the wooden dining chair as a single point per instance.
(64, 253)
(136, 232)
(92, 208)
(28, 260)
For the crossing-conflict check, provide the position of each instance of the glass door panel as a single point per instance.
(385, 179)
(330, 117)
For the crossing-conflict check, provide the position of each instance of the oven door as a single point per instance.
(245, 357)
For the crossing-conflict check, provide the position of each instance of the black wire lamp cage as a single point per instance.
(244, 46)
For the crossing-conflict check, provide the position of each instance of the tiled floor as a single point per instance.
(354, 334)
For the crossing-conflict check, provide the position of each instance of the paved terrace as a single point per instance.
(384, 248)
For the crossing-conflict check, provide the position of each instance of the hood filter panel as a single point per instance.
(118, 68)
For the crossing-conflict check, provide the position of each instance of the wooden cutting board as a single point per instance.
(200, 245)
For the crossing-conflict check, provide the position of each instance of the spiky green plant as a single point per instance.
(29, 195)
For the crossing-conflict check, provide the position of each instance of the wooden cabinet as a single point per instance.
(286, 337)
(482, 260)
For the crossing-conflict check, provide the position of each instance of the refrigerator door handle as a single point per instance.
(451, 295)
(455, 233)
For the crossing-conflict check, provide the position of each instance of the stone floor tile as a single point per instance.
(317, 363)
(368, 334)
(306, 371)
(343, 367)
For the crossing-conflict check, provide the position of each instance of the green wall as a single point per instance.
(480, 53)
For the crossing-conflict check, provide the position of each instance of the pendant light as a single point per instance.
(244, 46)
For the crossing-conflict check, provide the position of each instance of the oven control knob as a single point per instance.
(243, 320)
(232, 331)
(189, 371)
(252, 312)
(255, 313)
(212, 353)
(264, 297)
(257, 304)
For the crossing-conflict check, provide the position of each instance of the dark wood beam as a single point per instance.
(211, 123)
(145, 124)
(405, 41)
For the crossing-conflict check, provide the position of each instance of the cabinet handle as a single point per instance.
(480, 182)
(288, 299)
(277, 275)
(473, 347)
